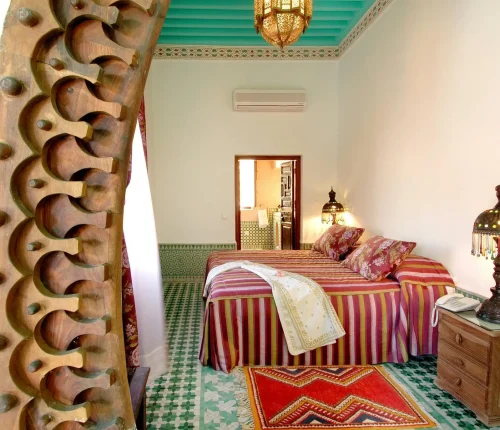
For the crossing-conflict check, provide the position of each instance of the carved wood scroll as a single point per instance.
(71, 79)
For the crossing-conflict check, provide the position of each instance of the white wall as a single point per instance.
(194, 136)
(419, 150)
(267, 184)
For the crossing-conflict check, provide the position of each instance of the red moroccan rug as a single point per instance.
(330, 397)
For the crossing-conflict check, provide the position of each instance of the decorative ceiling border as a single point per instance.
(167, 52)
(243, 53)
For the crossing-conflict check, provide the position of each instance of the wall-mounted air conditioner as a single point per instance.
(269, 100)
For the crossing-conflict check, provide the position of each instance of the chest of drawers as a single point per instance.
(469, 365)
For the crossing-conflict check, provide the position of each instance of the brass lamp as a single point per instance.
(485, 242)
(281, 22)
(331, 210)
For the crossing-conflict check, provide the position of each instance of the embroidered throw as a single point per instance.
(337, 240)
(306, 313)
(378, 257)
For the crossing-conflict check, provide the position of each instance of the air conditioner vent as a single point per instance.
(269, 100)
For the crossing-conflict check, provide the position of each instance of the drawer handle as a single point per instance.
(457, 382)
(459, 361)
(458, 339)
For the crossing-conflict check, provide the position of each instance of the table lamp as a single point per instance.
(485, 242)
(331, 209)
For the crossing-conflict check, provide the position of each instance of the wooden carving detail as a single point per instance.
(72, 77)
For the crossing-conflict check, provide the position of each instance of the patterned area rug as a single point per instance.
(330, 397)
(190, 396)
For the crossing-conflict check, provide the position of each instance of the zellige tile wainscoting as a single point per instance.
(181, 261)
(471, 295)
(255, 237)
(187, 260)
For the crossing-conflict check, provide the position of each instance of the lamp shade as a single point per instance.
(331, 209)
(486, 231)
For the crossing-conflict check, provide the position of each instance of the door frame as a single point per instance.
(297, 185)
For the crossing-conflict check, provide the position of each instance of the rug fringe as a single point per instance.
(244, 412)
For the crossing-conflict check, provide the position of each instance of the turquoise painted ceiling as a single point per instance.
(230, 23)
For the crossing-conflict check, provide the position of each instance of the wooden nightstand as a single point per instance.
(469, 365)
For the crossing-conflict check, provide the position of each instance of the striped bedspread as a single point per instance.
(385, 321)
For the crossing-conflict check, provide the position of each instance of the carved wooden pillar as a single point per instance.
(72, 78)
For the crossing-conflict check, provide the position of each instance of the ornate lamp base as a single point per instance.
(490, 309)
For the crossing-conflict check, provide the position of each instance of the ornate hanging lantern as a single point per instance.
(281, 22)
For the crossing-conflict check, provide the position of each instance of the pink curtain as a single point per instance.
(128, 302)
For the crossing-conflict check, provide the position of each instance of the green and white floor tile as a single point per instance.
(191, 396)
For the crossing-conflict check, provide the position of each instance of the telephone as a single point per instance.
(455, 303)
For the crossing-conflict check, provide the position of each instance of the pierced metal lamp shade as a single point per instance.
(485, 241)
(329, 214)
(485, 233)
(281, 22)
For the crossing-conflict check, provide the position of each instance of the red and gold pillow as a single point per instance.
(378, 257)
(337, 240)
(350, 250)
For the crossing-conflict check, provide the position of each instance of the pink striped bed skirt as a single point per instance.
(385, 321)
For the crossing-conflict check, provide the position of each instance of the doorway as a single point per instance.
(267, 201)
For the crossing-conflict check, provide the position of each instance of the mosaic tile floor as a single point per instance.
(191, 396)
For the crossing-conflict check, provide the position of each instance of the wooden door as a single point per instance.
(287, 199)
(286, 235)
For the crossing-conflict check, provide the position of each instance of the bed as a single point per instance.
(385, 321)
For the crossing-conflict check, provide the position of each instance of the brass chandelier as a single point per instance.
(281, 22)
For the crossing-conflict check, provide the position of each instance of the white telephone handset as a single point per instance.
(455, 303)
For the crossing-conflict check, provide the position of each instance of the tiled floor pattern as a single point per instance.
(417, 376)
(191, 396)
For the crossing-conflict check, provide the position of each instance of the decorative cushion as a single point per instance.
(378, 257)
(350, 250)
(337, 240)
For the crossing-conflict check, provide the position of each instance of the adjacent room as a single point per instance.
(266, 204)
(237, 214)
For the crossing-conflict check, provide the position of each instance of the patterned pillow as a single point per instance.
(337, 240)
(378, 257)
(350, 250)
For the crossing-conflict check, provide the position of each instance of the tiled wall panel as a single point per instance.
(188, 260)
(257, 238)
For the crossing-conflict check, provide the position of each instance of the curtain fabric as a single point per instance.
(130, 328)
(141, 119)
